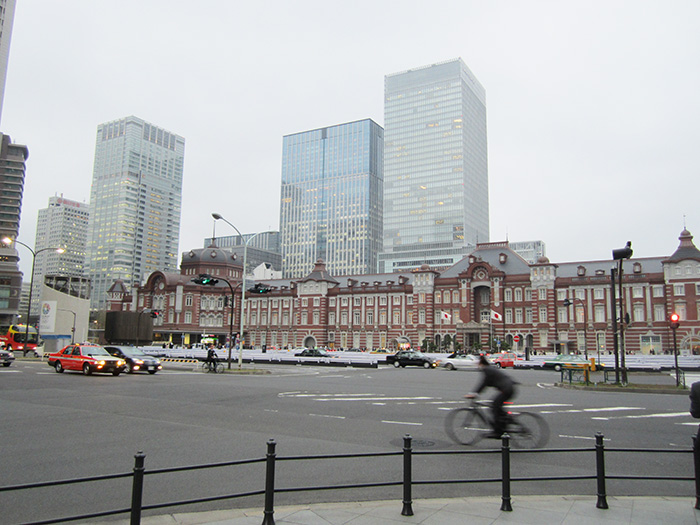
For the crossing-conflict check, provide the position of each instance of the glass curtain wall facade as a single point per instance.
(331, 199)
(135, 204)
(435, 167)
(63, 224)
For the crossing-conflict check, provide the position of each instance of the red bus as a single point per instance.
(14, 338)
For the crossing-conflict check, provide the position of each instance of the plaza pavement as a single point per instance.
(535, 510)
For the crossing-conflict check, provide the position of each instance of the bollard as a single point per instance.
(505, 473)
(269, 512)
(137, 488)
(407, 476)
(602, 502)
(696, 461)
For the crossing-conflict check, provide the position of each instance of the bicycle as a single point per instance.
(468, 425)
(217, 367)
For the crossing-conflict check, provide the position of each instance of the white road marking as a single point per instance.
(579, 410)
(644, 416)
(373, 398)
(403, 423)
(580, 437)
(9, 371)
(326, 415)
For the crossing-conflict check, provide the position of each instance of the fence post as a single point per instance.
(269, 512)
(407, 476)
(602, 502)
(696, 460)
(505, 473)
(137, 488)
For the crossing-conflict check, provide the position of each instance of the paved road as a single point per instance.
(58, 426)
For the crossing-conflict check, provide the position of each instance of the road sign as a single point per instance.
(516, 338)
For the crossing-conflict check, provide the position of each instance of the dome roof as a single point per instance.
(211, 255)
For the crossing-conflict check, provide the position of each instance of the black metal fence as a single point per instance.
(139, 475)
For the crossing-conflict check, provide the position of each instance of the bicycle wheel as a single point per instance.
(528, 430)
(219, 368)
(205, 367)
(466, 426)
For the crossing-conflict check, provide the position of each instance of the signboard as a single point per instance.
(516, 338)
(47, 322)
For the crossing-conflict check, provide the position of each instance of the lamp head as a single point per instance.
(216, 216)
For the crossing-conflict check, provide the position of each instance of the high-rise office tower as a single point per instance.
(435, 167)
(13, 159)
(63, 224)
(331, 201)
(7, 16)
(135, 203)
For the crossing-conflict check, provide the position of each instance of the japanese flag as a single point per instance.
(496, 316)
(445, 316)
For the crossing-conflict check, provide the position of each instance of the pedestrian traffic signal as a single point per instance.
(206, 279)
(675, 320)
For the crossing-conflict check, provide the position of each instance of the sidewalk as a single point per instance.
(565, 510)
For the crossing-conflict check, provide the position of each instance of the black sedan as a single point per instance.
(410, 358)
(136, 360)
(312, 352)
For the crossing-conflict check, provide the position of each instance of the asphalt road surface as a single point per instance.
(59, 426)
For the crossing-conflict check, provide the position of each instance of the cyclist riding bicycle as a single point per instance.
(499, 380)
(212, 357)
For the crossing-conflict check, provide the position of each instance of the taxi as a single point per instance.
(503, 359)
(86, 358)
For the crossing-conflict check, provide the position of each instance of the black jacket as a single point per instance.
(695, 400)
(495, 378)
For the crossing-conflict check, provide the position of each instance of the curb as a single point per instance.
(635, 389)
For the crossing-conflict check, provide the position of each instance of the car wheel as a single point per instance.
(426, 365)
(6, 364)
(557, 367)
(127, 369)
(86, 369)
(396, 364)
(450, 366)
(498, 365)
(58, 366)
(116, 372)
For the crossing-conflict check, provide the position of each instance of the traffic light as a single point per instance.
(675, 321)
(155, 314)
(206, 279)
(259, 288)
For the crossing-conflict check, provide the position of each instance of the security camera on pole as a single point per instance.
(618, 338)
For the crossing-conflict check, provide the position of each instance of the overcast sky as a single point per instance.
(592, 106)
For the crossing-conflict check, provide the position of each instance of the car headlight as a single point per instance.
(10, 354)
(121, 363)
(100, 363)
(138, 361)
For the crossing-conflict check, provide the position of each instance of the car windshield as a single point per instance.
(94, 350)
(133, 352)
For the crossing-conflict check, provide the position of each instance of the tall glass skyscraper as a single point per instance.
(331, 201)
(135, 204)
(435, 166)
(63, 224)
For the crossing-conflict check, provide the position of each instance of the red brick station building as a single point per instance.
(491, 295)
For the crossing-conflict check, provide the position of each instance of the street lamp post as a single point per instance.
(7, 241)
(569, 302)
(217, 217)
(72, 334)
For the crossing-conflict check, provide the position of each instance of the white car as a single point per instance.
(460, 361)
